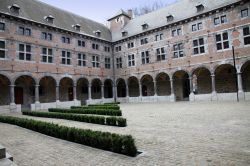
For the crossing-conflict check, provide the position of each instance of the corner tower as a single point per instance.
(118, 21)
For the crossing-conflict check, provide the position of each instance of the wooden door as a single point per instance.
(18, 95)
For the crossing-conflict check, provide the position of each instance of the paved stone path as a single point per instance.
(179, 133)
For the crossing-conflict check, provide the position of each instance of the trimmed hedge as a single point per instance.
(114, 107)
(95, 108)
(123, 144)
(121, 122)
(87, 111)
(112, 103)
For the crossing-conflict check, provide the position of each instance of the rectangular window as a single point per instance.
(81, 43)
(198, 46)
(95, 61)
(220, 20)
(176, 32)
(118, 48)
(95, 46)
(47, 55)
(2, 49)
(27, 32)
(2, 26)
(197, 27)
(107, 63)
(46, 36)
(119, 62)
(131, 60)
(106, 49)
(160, 53)
(81, 59)
(178, 50)
(158, 37)
(24, 52)
(130, 45)
(65, 40)
(244, 13)
(222, 41)
(21, 30)
(145, 57)
(66, 58)
(246, 35)
(144, 41)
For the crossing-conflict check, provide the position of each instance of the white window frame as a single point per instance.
(67, 57)
(119, 62)
(145, 57)
(179, 51)
(81, 42)
(222, 41)
(220, 19)
(176, 32)
(131, 60)
(161, 53)
(130, 45)
(24, 52)
(245, 36)
(47, 55)
(81, 61)
(144, 41)
(107, 61)
(199, 46)
(96, 61)
(247, 10)
(4, 26)
(3, 49)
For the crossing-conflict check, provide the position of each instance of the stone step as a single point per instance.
(2, 152)
(8, 156)
(6, 162)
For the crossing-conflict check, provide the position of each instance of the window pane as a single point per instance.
(79, 63)
(28, 57)
(27, 32)
(219, 46)
(21, 31)
(21, 56)
(79, 43)
(50, 52)
(63, 60)
(44, 35)
(226, 45)
(223, 19)
(21, 47)
(196, 51)
(2, 26)
(79, 56)
(2, 44)
(49, 36)
(246, 31)
(218, 37)
(216, 21)
(202, 49)
(28, 48)
(201, 41)
(195, 43)
(2, 54)
(63, 53)
(244, 13)
(44, 58)
(200, 26)
(225, 36)
(68, 54)
(163, 57)
(44, 51)
(68, 61)
(50, 59)
(247, 40)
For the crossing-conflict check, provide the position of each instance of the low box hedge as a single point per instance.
(87, 111)
(114, 107)
(112, 103)
(95, 108)
(121, 122)
(123, 144)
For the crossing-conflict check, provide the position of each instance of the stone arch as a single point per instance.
(25, 74)
(181, 85)
(108, 88)
(47, 89)
(133, 86)
(96, 85)
(121, 87)
(82, 94)
(245, 74)
(147, 85)
(201, 79)
(225, 79)
(163, 84)
(25, 90)
(5, 90)
(66, 89)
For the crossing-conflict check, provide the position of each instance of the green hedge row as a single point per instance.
(112, 121)
(123, 144)
(114, 107)
(79, 110)
(112, 103)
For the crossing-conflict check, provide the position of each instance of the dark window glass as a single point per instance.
(244, 13)
(21, 47)
(246, 31)
(49, 36)
(2, 26)
(2, 44)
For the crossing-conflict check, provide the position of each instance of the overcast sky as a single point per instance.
(100, 10)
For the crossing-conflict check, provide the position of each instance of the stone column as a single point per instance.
(172, 96)
(114, 92)
(13, 107)
(140, 89)
(214, 94)
(89, 92)
(241, 94)
(74, 92)
(102, 91)
(191, 95)
(37, 102)
(155, 88)
(57, 93)
(127, 90)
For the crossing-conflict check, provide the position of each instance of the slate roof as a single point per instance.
(180, 10)
(36, 11)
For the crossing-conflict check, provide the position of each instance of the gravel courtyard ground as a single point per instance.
(181, 133)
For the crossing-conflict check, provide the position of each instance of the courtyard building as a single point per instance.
(183, 52)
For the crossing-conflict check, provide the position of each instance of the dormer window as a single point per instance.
(15, 9)
(97, 33)
(49, 19)
(200, 8)
(124, 33)
(144, 26)
(77, 27)
(170, 18)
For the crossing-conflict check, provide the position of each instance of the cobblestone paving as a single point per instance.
(179, 133)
